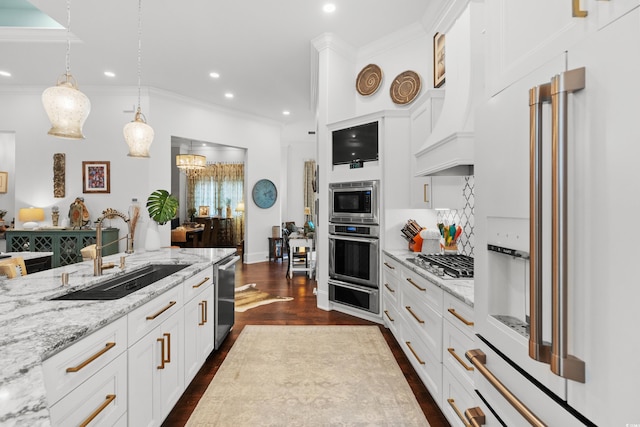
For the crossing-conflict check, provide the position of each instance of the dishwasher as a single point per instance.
(224, 298)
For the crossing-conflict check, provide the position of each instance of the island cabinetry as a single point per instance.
(65, 244)
(156, 365)
(89, 379)
(457, 379)
(198, 323)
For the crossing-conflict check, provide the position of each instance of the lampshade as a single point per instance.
(30, 215)
(240, 207)
(307, 210)
(139, 136)
(66, 107)
(186, 162)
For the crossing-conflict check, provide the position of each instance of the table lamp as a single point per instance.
(29, 216)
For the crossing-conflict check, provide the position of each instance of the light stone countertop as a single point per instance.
(460, 288)
(33, 328)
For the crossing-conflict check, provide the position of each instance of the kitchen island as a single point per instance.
(34, 328)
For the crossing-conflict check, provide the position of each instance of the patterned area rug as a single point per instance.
(309, 376)
(248, 296)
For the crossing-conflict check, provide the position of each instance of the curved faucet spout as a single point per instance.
(107, 214)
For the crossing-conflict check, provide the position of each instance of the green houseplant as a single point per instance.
(162, 208)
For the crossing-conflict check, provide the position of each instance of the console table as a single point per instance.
(65, 244)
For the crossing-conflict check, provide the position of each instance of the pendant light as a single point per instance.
(66, 107)
(138, 134)
(190, 164)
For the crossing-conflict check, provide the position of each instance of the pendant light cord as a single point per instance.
(139, 50)
(68, 61)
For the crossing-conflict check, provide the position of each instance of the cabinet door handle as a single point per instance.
(413, 314)
(201, 305)
(420, 288)
(390, 318)
(453, 405)
(393, 291)
(106, 348)
(110, 398)
(206, 316)
(479, 360)
(161, 341)
(389, 266)
(153, 316)
(475, 415)
(459, 359)
(205, 280)
(459, 317)
(420, 361)
(168, 347)
(576, 12)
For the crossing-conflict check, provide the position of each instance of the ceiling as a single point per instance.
(260, 48)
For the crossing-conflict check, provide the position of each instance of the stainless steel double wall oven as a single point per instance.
(354, 249)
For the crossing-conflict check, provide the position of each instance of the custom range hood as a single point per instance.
(448, 150)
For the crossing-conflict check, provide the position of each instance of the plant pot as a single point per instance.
(152, 239)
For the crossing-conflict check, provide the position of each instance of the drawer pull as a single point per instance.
(576, 12)
(479, 359)
(474, 415)
(460, 318)
(386, 285)
(415, 316)
(420, 288)
(459, 359)
(202, 322)
(110, 398)
(106, 348)
(153, 316)
(390, 266)
(205, 280)
(390, 318)
(420, 361)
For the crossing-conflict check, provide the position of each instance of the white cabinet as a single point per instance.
(198, 323)
(156, 365)
(391, 277)
(447, 192)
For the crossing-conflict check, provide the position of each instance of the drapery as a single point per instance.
(220, 186)
(308, 186)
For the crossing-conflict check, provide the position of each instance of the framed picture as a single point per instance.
(96, 177)
(438, 60)
(203, 211)
(4, 181)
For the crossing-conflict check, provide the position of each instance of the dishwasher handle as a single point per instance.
(229, 264)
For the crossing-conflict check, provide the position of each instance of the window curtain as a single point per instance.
(309, 186)
(220, 186)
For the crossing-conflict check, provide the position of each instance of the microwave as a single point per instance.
(354, 202)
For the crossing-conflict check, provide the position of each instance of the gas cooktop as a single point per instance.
(445, 266)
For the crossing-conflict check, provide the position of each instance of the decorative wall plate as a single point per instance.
(405, 87)
(369, 80)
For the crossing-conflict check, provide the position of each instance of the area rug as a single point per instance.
(248, 296)
(309, 376)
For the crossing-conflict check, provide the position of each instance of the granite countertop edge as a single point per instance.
(461, 289)
(34, 328)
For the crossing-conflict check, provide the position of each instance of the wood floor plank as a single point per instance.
(302, 310)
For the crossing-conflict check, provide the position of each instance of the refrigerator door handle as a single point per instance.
(538, 96)
(562, 363)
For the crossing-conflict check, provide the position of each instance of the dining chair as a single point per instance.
(13, 267)
(205, 239)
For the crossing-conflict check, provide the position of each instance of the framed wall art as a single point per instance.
(96, 177)
(438, 60)
(4, 182)
(203, 211)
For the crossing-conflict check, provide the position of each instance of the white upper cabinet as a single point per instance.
(523, 35)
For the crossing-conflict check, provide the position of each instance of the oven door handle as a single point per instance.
(353, 238)
(352, 287)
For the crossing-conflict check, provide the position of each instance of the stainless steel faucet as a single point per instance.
(97, 261)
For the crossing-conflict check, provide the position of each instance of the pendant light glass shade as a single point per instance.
(67, 108)
(139, 136)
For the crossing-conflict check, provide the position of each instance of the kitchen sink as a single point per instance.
(125, 284)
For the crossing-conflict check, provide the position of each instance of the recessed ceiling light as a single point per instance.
(214, 75)
(109, 74)
(228, 95)
(286, 113)
(329, 8)
(5, 73)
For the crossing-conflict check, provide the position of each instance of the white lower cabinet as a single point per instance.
(434, 329)
(198, 332)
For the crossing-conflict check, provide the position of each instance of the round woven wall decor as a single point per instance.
(369, 80)
(405, 87)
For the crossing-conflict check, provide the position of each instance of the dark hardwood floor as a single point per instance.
(270, 277)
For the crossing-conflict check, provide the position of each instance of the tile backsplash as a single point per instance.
(463, 217)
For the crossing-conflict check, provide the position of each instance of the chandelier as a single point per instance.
(66, 107)
(191, 164)
(138, 134)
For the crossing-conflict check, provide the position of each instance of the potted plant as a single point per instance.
(162, 208)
